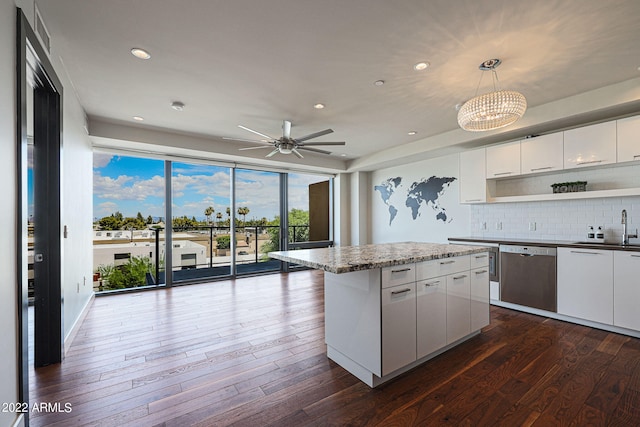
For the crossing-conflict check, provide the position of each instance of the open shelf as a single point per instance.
(619, 192)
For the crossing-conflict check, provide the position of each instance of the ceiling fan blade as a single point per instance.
(322, 143)
(272, 153)
(244, 140)
(315, 150)
(294, 151)
(255, 148)
(256, 132)
(314, 135)
(286, 129)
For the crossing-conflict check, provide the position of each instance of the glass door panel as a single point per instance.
(257, 220)
(128, 204)
(201, 232)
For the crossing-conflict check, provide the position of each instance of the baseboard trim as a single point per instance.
(68, 340)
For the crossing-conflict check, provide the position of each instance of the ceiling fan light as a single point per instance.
(492, 110)
(285, 150)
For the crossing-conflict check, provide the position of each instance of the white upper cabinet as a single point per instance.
(542, 154)
(473, 187)
(590, 145)
(503, 160)
(629, 139)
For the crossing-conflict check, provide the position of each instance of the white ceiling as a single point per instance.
(257, 62)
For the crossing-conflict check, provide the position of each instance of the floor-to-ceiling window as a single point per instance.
(257, 213)
(224, 219)
(201, 198)
(310, 209)
(128, 209)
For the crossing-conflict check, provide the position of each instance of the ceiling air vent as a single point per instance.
(42, 33)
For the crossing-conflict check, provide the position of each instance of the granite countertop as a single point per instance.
(343, 259)
(634, 247)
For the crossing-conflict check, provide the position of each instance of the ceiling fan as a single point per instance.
(286, 144)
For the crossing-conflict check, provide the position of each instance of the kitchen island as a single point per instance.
(390, 307)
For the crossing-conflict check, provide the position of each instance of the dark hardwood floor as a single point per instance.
(250, 352)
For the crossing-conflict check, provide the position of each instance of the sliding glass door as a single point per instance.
(257, 212)
(201, 234)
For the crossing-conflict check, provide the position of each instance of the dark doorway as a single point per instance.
(39, 107)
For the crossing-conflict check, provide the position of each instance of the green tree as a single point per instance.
(243, 211)
(149, 219)
(223, 242)
(297, 217)
(219, 218)
(208, 212)
(110, 223)
(130, 275)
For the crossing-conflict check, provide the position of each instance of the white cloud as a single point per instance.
(106, 208)
(101, 160)
(126, 187)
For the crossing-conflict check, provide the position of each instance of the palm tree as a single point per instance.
(243, 211)
(208, 212)
(219, 218)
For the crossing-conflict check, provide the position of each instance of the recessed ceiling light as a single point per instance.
(378, 82)
(138, 118)
(343, 155)
(318, 106)
(140, 53)
(421, 66)
(412, 132)
(177, 105)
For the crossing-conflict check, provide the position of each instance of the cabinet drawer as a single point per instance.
(479, 260)
(398, 275)
(442, 267)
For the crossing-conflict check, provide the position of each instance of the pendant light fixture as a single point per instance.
(491, 110)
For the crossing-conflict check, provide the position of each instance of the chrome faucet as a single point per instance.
(625, 235)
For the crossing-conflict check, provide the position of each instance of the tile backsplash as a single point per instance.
(556, 220)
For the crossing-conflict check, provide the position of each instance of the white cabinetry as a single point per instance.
(431, 307)
(542, 153)
(398, 327)
(479, 298)
(503, 160)
(585, 284)
(628, 139)
(590, 145)
(458, 306)
(473, 187)
(626, 295)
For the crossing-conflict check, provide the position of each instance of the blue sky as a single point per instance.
(131, 185)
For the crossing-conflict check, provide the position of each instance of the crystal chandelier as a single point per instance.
(491, 110)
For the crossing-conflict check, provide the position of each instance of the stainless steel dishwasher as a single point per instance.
(528, 276)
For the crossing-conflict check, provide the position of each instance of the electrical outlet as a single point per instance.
(532, 226)
(498, 225)
(483, 225)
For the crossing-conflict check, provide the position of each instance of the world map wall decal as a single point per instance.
(424, 192)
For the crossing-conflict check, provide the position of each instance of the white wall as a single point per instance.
(426, 227)
(359, 208)
(76, 205)
(8, 255)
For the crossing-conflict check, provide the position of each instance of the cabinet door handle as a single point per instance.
(636, 156)
(635, 256)
(432, 283)
(401, 292)
(481, 256)
(459, 277)
(473, 200)
(481, 272)
(542, 169)
(502, 173)
(446, 262)
(589, 162)
(401, 271)
(585, 253)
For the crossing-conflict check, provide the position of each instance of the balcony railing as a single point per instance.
(198, 252)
